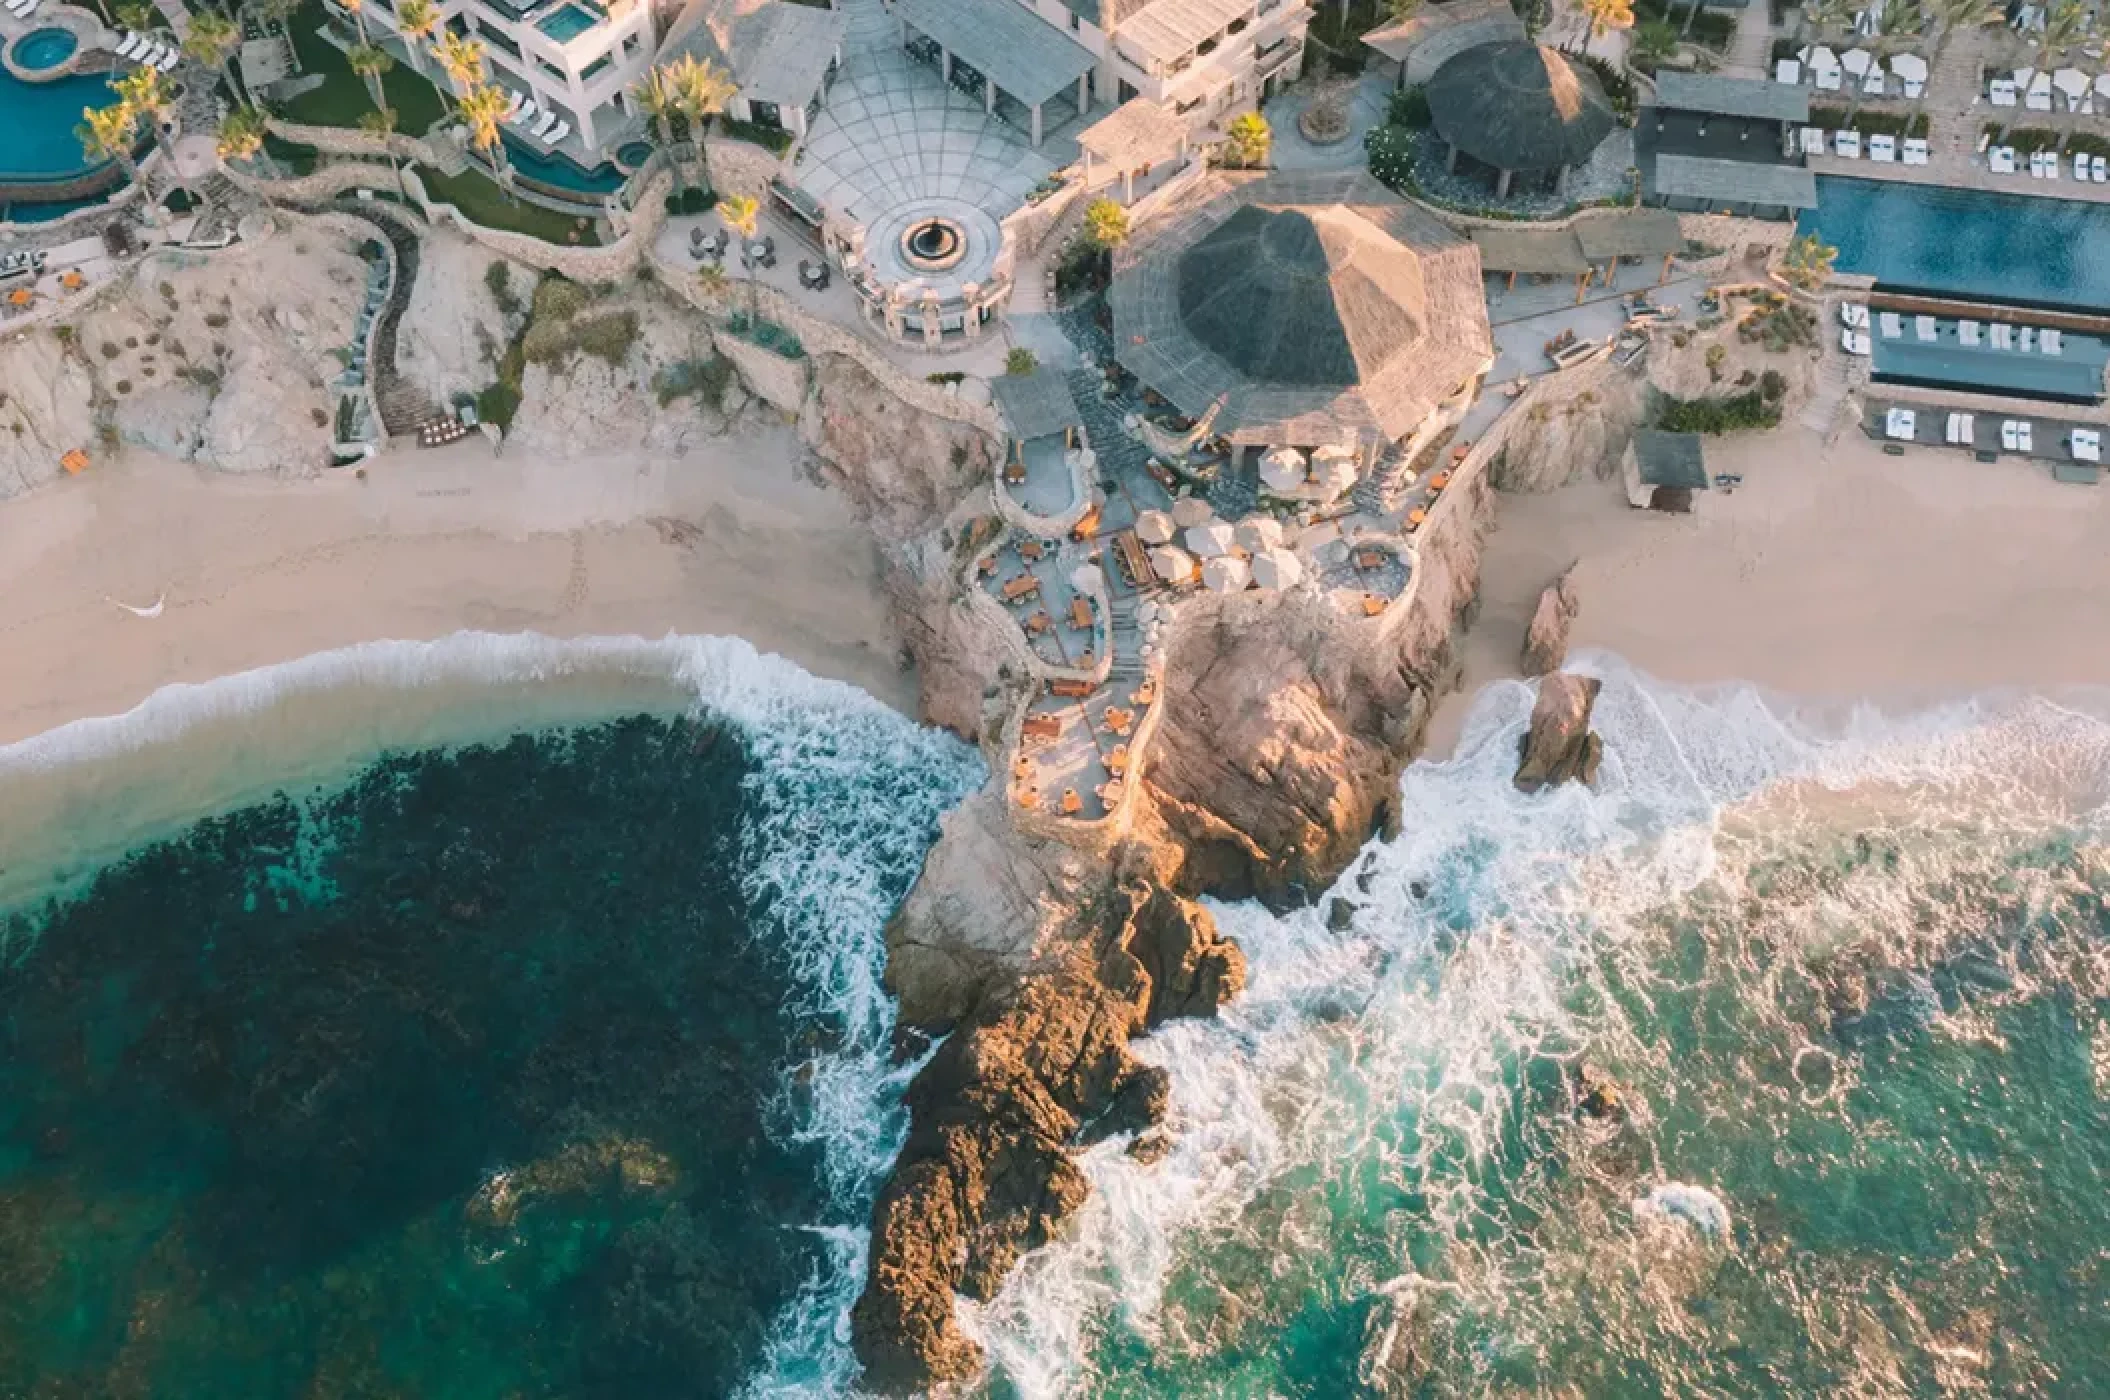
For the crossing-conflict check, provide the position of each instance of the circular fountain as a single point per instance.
(935, 244)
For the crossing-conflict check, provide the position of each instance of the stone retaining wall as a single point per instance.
(781, 381)
(740, 167)
(350, 141)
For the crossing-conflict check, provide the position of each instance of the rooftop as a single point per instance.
(1676, 460)
(1734, 181)
(1552, 252)
(1519, 106)
(1169, 28)
(1007, 43)
(1317, 306)
(777, 51)
(1732, 97)
(1136, 133)
(1036, 405)
(1434, 33)
(1637, 233)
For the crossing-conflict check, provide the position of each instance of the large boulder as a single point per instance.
(1546, 642)
(1559, 747)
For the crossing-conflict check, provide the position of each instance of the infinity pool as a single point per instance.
(1973, 244)
(557, 171)
(45, 48)
(39, 118)
(569, 23)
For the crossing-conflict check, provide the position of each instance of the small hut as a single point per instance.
(1519, 108)
(1665, 471)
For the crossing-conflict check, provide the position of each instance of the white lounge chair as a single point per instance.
(1957, 429)
(1813, 140)
(2025, 436)
(1891, 325)
(1882, 148)
(169, 60)
(1828, 79)
(2099, 170)
(1847, 144)
(2026, 339)
(1968, 333)
(1852, 341)
(2001, 93)
(558, 132)
(543, 127)
(128, 47)
(513, 107)
(2011, 435)
(1900, 423)
(1924, 328)
(1914, 151)
(2087, 445)
(2080, 166)
(1788, 71)
(2002, 160)
(2003, 336)
(2050, 342)
(1853, 313)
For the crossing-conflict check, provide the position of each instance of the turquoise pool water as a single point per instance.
(2021, 249)
(45, 48)
(569, 23)
(556, 170)
(39, 119)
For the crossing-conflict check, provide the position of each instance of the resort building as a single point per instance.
(1412, 49)
(576, 60)
(1304, 311)
(782, 55)
(1518, 109)
(1665, 471)
(1715, 145)
(1042, 63)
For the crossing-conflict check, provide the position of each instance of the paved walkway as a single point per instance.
(893, 134)
(1366, 109)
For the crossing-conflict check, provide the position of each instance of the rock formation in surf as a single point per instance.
(1559, 747)
(1546, 640)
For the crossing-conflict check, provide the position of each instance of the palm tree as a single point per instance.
(381, 125)
(212, 40)
(241, 134)
(1248, 141)
(1652, 43)
(137, 14)
(146, 93)
(701, 91)
(1105, 224)
(416, 20)
(1824, 16)
(483, 108)
(657, 97)
(743, 215)
(1807, 262)
(107, 133)
(371, 62)
(1954, 16)
(357, 10)
(1896, 17)
(461, 59)
(2065, 24)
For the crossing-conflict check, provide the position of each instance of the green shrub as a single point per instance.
(691, 201)
(705, 379)
(944, 376)
(498, 403)
(1771, 385)
(498, 277)
(1391, 152)
(1730, 414)
(344, 418)
(773, 139)
(1021, 361)
(1408, 107)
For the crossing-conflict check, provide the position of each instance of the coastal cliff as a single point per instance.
(1039, 959)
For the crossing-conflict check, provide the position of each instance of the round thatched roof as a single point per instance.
(1517, 105)
(1304, 296)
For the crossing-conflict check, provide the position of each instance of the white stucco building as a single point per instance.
(782, 55)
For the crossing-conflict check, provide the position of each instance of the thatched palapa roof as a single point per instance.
(1036, 404)
(1317, 306)
(1519, 106)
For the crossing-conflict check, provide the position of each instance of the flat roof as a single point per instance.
(1551, 251)
(1732, 97)
(1169, 28)
(776, 51)
(1138, 132)
(1006, 43)
(1671, 459)
(1036, 405)
(1445, 30)
(1735, 181)
(2074, 375)
(1637, 233)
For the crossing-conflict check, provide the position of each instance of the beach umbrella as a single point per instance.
(1155, 527)
(1277, 568)
(1191, 510)
(1172, 565)
(1259, 532)
(1282, 469)
(2023, 76)
(1146, 612)
(1336, 475)
(1209, 541)
(1225, 575)
(1909, 66)
(2102, 85)
(1085, 578)
(2072, 82)
(1856, 61)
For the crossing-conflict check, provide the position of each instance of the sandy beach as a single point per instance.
(251, 571)
(1834, 572)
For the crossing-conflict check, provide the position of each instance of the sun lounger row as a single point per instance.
(151, 52)
(1962, 430)
(23, 9)
(1855, 70)
(2044, 165)
(526, 115)
(2017, 435)
(1913, 150)
(1999, 335)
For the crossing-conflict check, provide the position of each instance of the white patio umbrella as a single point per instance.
(1909, 66)
(2040, 85)
(1226, 575)
(1821, 57)
(2023, 76)
(1191, 510)
(1211, 540)
(1277, 568)
(1856, 61)
(1336, 476)
(1172, 565)
(2071, 82)
(1259, 532)
(2102, 85)
(1155, 527)
(1085, 579)
(1282, 468)
(1146, 612)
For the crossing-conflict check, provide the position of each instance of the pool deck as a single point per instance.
(2049, 435)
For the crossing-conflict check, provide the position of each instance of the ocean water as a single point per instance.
(512, 1026)
(534, 1045)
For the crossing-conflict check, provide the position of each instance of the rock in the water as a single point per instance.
(1340, 915)
(1546, 643)
(1151, 1148)
(1560, 747)
(1597, 1093)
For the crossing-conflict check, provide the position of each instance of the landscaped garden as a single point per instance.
(479, 197)
(343, 97)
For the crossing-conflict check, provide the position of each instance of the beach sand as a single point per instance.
(726, 540)
(1833, 573)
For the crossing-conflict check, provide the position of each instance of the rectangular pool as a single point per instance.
(2021, 249)
(570, 22)
(2074, 375)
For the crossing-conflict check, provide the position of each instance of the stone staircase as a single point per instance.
(1127, 636)
(1381, 487)
(1834, 382)
(404, 407)
(1117, 450)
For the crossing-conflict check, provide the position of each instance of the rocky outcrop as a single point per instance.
(1559, 748)
(1546, 640)
(904, 469)
(47, 409)
(456, 327)
(1572, 427)
(1036, 1072)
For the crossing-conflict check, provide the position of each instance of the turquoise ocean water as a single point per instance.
(533, 1044)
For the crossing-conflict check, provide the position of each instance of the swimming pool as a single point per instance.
(39, 119)
(1972, 244)
(557, 171)
(569, 23)
(45, 48)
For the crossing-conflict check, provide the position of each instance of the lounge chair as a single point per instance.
(2003, 336)
(1853, 313)
(2099, 170)
(1882, 148)
(2025, 436)
(1813, 139)
(1847, 144)
(1967, 333)
(1788, 71)
(1852, 343)
(128, 46)
(170, 60)
(1914, 151)
(2002, 160)
(545, 126)
(1900, 423)
(2080, 167)
(1923, 327)
(2027, 340)
(1891, 324)
(2050, 342)
(558, 132)
(513, 107)
(2087, 445)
